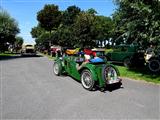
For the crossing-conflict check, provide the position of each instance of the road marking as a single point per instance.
(139, 105)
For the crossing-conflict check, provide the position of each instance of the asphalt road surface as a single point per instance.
(30, 90)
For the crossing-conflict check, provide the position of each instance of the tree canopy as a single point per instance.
(133, 21)
(18, 43)
(49, 17)
(139, 20)
(85, 30)
(70, 14)
(75, 28)
(8, 29)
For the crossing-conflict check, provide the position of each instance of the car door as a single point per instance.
(73, 70)
(67, 65)
(115, 54)
(119, 54)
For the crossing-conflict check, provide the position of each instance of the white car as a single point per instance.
(28, 49)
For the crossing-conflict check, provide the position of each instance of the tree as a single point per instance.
(37, 31)
(104, 26)
(85, 30)
(76, 28)
(139, 19)
(70, 15)
(49, 17)
(18, 43)
(8, 29)
(91, 11)
(65, 36)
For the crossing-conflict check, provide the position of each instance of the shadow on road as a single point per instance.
(17, 56)
(109, 88)
(113, 87)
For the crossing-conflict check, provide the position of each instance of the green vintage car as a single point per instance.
(90, 75)
(126, 54)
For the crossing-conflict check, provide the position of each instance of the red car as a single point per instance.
(54, 50)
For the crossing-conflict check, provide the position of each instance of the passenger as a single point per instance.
(87, 58)
(96, 59)
(95, 55)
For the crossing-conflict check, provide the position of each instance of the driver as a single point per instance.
(87, 58)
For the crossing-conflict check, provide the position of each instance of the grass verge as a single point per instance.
(49, 56)
(139, 74)
(7, 54)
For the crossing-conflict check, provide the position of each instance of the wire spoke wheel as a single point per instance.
(56, 68)
(110, 75)
(86, 80)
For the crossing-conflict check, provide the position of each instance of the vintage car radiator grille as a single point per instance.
(29, 51)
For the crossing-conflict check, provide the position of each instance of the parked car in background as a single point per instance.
(90, 74)
(28, 49)
(54, 50)
(153, 61)
(126, 54)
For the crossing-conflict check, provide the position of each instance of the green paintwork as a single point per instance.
(68, 65)
(121, 52)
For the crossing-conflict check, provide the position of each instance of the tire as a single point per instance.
(154, 65)
(127, 62)
(87, 80)
(110, 74)
(57, 68)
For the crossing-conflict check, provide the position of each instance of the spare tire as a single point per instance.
(110, 74)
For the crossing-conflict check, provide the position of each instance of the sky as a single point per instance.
(25, 11)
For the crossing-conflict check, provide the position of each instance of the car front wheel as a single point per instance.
(154, 65)
(87, 80)
(56, 68)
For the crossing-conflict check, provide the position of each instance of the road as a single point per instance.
(30, 90)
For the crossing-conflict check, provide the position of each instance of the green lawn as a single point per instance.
(7, 54)
(49, 56)
(139, 74)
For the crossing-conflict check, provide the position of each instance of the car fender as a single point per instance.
(91, 68)
(103, 81)
(118, 73)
